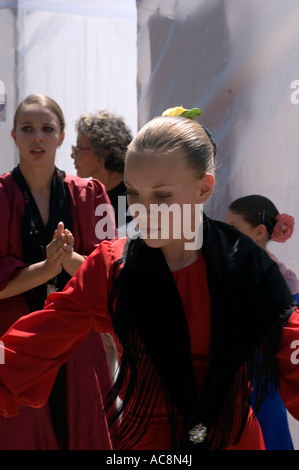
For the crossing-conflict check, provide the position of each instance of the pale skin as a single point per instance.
(37, 136)
(155, 178)
(258, 234)
(89, 165)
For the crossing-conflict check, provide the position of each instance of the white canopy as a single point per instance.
(81, 53)
(102, 8)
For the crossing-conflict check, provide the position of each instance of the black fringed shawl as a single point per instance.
(249, 304)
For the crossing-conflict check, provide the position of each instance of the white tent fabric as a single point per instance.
(81, 53)
(238, 62)
(102, 8)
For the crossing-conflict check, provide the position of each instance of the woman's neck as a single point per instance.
(179, 259)
(37, 178)
(263, 244)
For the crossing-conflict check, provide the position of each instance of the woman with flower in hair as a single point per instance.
(257, 217)
(187, 316)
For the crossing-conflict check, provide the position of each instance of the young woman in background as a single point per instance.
(47, 230)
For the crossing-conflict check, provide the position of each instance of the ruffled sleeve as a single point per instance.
(39, 343)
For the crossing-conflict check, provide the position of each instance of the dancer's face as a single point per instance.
(155, 179)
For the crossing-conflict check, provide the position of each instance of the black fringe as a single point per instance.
(235, 362)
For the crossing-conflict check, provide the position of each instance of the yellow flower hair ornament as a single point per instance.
(190, 114)
(180, 111)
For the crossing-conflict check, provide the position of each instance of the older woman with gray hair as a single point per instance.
(102, 141)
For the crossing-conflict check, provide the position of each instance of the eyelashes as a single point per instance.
(159, 196)
(48, 129)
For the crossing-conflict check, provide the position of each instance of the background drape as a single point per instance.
(236, 60)
(239, 62)
(81, 53)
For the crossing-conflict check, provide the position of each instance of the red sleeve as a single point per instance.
(288, 362)
(11, 204)
(91, 223)
(39, 343)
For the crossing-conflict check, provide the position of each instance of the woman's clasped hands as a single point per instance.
(60, 250)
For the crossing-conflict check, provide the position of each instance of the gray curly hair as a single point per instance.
(106, 131)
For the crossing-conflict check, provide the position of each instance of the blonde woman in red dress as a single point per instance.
(47, 229)
(187, 317)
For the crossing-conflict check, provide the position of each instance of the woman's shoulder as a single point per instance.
(6, 178)
(79, 184)
(101, 263)
(236, 243)
(109, 250)
(9, 187)
(235, 251)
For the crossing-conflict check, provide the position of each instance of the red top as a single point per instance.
(87, 370)
(35, 347)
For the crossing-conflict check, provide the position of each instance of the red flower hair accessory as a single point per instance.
(283, 229)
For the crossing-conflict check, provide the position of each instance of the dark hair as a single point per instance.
(43, 101)
(210, 135)
(106, 131)
(170, 133)
(256, 210)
